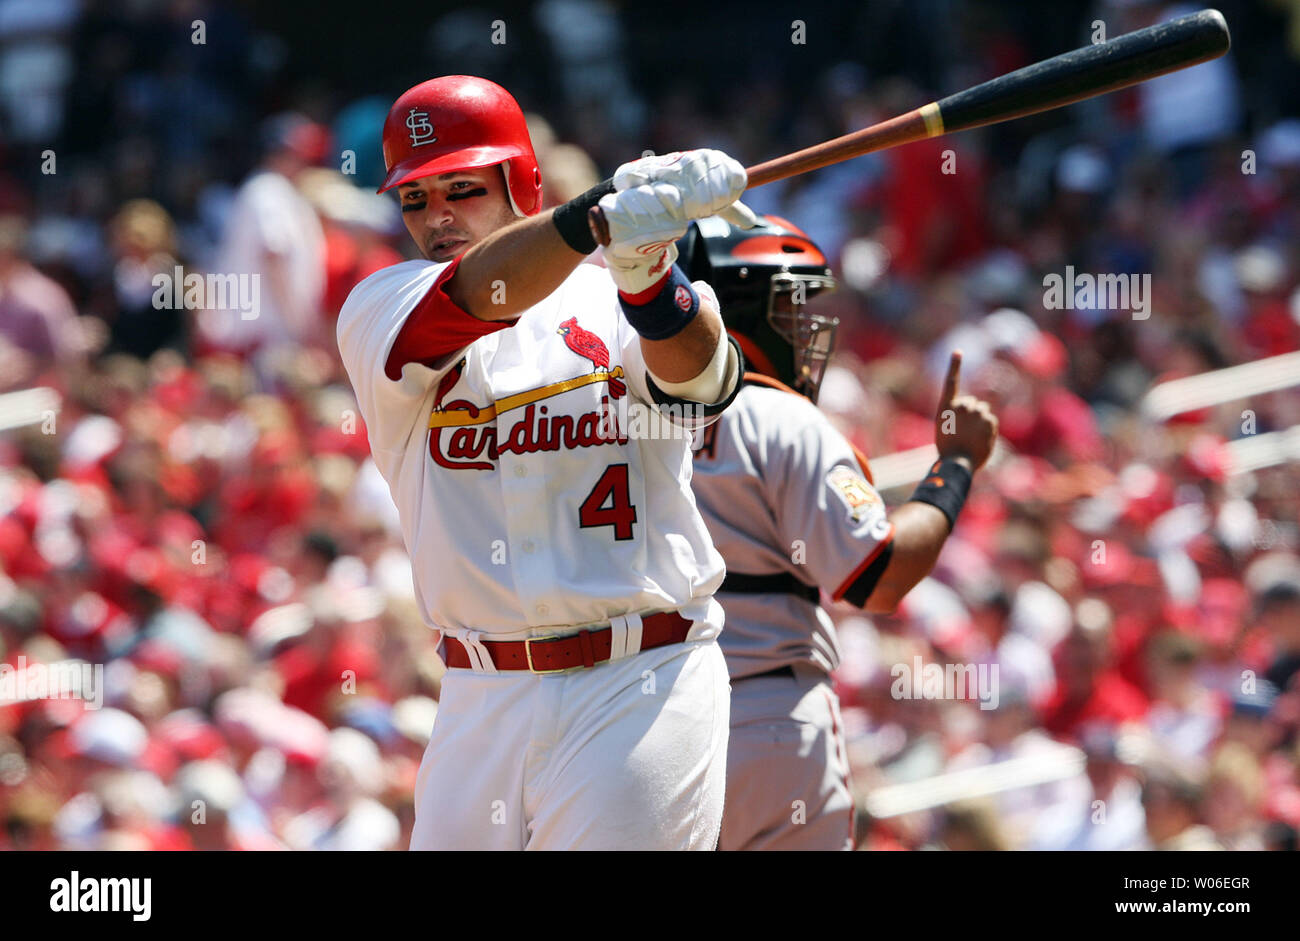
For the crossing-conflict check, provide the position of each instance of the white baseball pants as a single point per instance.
(630, 754)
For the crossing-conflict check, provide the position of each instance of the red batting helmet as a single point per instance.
(459, 122)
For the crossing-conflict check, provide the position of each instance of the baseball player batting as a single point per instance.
(562, 559)
(790, 506)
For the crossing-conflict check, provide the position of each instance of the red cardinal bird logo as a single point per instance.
(589, 346)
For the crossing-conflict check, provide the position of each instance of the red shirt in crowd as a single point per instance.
(1113, 699)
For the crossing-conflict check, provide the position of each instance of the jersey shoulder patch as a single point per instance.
(858, 497)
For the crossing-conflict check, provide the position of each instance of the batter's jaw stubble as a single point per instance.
(482, 220)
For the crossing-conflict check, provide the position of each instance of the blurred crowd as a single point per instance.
(200, 515)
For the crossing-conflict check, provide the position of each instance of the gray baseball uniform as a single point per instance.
(789, 504)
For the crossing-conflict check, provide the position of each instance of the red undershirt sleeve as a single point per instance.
(437, 327)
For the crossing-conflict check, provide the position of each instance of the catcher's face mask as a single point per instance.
(812, 336)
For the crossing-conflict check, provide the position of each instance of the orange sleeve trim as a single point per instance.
(866, 564)
(862, 462)
(759, 379)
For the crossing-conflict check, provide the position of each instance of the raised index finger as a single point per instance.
(950, 381)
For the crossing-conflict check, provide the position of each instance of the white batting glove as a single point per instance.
(646, 217)
(634, 273)
(710, 182)
(645, 223)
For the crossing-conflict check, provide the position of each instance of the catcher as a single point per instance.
(790, 505)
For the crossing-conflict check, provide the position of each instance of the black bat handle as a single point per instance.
(1093, 70)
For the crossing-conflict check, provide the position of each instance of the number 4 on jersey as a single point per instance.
(612, 488)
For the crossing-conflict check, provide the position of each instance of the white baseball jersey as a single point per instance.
(526, 500)
(786, 496)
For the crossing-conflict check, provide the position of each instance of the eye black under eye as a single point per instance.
(466, 194)
(413, 207)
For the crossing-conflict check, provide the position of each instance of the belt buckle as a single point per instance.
(528, 655)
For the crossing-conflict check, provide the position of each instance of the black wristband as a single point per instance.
(571, 218)
(945, 487)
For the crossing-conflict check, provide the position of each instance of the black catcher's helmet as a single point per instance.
(764, 277)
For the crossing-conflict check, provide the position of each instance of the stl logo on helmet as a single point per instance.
(421, 129)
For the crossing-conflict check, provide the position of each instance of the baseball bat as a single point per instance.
(1053, 83)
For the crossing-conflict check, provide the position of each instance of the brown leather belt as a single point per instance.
(583, 649)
